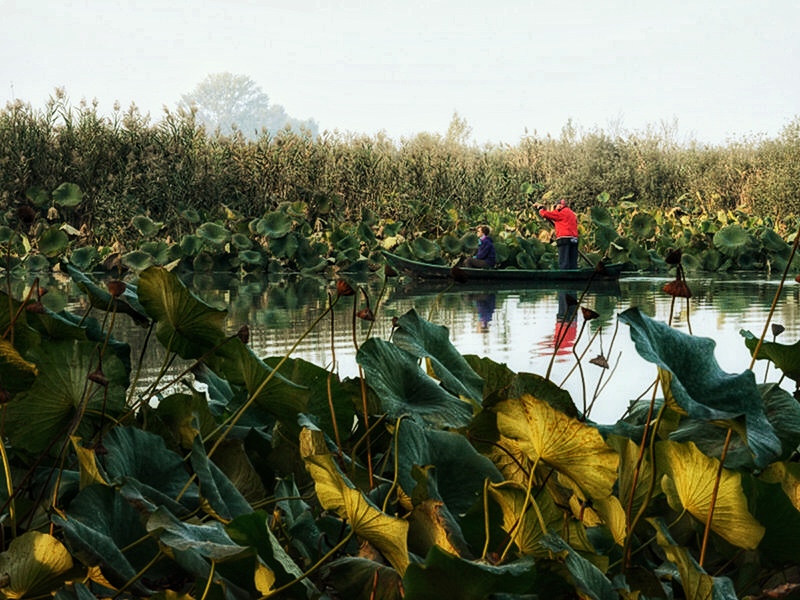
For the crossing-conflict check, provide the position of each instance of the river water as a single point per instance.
(512, 326)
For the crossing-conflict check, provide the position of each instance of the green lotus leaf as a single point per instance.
(138, 260)
(525, 261)
(203, 262)
(450, 244)
(502, 252)
(146, 226)
(356, 577)
(689, 482)
(546, 435)
(67, 195)
(252, 530)
(784, 356)
(774, 243)
(392, 228)
(241, 241)
(98, 524)
(777, 508)
(160, 251)
(61, 393)
(497, 377)
(285, 246)
(214, 233)
(405, 389)
(208, 540)
(39, 197)
(191, 244)
(36, 263)
(52, 242)
(252, 257)
(274, 225)
(127, 302)
(643, 225)
(16, 373)
(365, 234)
(84, 258)
(459, 470)
(732, 240)
(469, 242)
(186, 416)
(444, 575)
(33, 564)
(425, 250)
(190, 215)
(6, 234)
(604, 236)
(691, 376)
(184, 323)
(588, 579)
(336, 493)
(601, 217)
(424, 340)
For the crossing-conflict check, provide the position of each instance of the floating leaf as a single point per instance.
(67, 195)
(52, 242)
(692, 377)
(689, 482)
(146, 226)
(214, 234)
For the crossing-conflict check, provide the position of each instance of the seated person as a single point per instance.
(485, 257)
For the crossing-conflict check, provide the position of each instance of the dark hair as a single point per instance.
(485, 229)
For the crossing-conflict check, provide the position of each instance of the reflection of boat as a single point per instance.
(421, 270)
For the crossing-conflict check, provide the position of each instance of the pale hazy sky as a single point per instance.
(720, 69)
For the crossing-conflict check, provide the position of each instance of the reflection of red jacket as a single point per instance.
(564, 219)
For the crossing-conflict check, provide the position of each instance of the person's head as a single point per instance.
(483, 230)
(562, 203)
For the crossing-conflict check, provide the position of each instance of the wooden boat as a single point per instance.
(421, 270)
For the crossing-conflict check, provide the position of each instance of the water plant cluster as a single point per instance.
(73, 181)
(431, 475)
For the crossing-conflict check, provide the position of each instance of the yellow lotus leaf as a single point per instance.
(575, 449)
(689, 482)
(788, 475)
(696, 584)
(33, 563)
(335, 493)
(90, 473)
(628, 458)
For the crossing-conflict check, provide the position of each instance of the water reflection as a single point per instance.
(516, 327)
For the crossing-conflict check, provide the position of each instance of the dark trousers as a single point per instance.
(567, 252)
(476, 263)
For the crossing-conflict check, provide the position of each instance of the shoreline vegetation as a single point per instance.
(124, 191)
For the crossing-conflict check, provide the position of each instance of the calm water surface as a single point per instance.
(516, 327)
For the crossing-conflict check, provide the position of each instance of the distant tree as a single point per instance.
(227, 103)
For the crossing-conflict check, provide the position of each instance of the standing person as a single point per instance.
(566, 224)
(485, 257)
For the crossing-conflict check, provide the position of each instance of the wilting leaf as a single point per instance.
(403, 388)
(574, 449)
(588, 579)
(423, 339)
(32, 561)
(184, 323)
(335, 493)
(16, 373)
(691, 376)
(689, 483)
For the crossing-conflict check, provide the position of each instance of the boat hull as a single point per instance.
(421, 270)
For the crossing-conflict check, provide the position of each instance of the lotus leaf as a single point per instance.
(127, 302)
(589, 581)
(356, 577)
(285, 246)
(84, 258)
(33, 565)
(184, 323)
(241, 242)
(252, 257)
(336, 493)
(604, 236)
(424, 340)
(425, 250)
(774, 243)
(692, 377)
(253, 530)
(223, 498)
(214, 233)
(445, 576)
(52, 242)
(16, 373)
(39, 197)
(696, 583)
(451, 244)
(688, 484)
(365, 233)
(575, 449)
(191, 244)
(602, 217)
(190, 215)
(41, 415)
(776, 508)
(469, 242)
(643, 225)
(732, 240)
(67, 195)
(403, 388)
(146, 226)
(137, 260)
(785, 356)
(526, 261)
(203, 262)
(160, 251)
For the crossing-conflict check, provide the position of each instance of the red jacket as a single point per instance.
(564, 219)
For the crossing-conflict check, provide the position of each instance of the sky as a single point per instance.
(709, 71)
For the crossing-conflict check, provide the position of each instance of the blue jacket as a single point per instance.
(486, 251)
